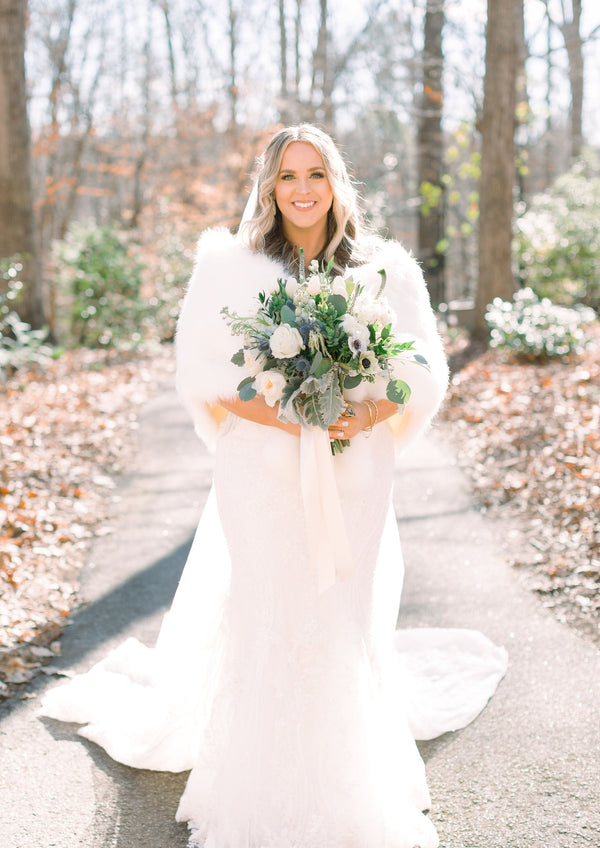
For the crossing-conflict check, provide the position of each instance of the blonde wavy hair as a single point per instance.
(346, 230)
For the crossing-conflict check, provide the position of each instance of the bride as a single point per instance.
(277, 677)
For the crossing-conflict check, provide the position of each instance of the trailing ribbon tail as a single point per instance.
(328, 546)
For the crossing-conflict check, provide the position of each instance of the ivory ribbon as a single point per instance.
(328, 546)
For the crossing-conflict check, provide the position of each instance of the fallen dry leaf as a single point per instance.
(528, 436)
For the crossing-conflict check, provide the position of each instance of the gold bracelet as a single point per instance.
(368, 430)
(373, 414)
(374, 402)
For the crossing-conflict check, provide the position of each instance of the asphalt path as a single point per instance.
(524, 774)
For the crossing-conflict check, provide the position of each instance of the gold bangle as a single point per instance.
(376, 408)
(368, 430)
(373, 415)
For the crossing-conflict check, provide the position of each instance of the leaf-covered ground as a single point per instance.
(66, 431)
(529, 438)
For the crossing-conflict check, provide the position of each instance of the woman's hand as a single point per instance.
(361, 416)
(351, 422)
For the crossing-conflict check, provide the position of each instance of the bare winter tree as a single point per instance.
(430, 148)
(570, 27)
(232, 90)
(497, 157)
(17, 234)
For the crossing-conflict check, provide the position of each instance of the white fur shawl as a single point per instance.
(227, 273)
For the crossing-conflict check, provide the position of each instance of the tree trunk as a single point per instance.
(571, 31)
(497, 158)
(233, 87)
(164, 5)
(548, 151)
(321, 76)
(522, 104)
(430, 148)
(17, 228)
(140, 162)
(283, 93)
(297, 36)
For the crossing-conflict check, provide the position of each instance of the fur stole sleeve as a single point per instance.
(415, 320)
(226, 273)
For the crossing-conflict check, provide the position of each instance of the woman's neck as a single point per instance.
(312, 243)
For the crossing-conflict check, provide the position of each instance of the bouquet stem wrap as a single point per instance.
(328, 546)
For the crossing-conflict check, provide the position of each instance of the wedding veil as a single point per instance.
(249, 211)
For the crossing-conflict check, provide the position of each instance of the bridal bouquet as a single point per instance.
(314, 337)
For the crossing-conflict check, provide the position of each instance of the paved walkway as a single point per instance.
(525, 774)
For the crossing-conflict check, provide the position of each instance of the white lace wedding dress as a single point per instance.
(296, 710)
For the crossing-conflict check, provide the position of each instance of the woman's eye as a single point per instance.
(318, 175)
(287, 177)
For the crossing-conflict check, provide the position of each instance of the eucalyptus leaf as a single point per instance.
(288, 316)
(421, 360)
(317, 360)
(339, 303)
(324, 366)
(398, 391)
(247, 391)
(352, 381)
(238, 358)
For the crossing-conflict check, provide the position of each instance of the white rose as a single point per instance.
(291, 286)
(371, 310)
(270, 384)
(339, 287)
(313, 285)
(254, 361)
(286, 342)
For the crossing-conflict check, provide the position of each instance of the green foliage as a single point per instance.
(558, 238)
(537, 329)
(19, 344)
(101, 279)
(168, 271)
(456, 196)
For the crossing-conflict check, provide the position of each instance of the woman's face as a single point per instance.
(303, 192)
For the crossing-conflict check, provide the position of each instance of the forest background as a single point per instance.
(473, 131)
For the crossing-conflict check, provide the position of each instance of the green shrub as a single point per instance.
(19, 344)
(169, 268)
(536, 328)
(558, 238)
(100, 279)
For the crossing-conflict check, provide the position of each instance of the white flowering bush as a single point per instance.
(537, 328)
(20, 345)
(558, 238)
